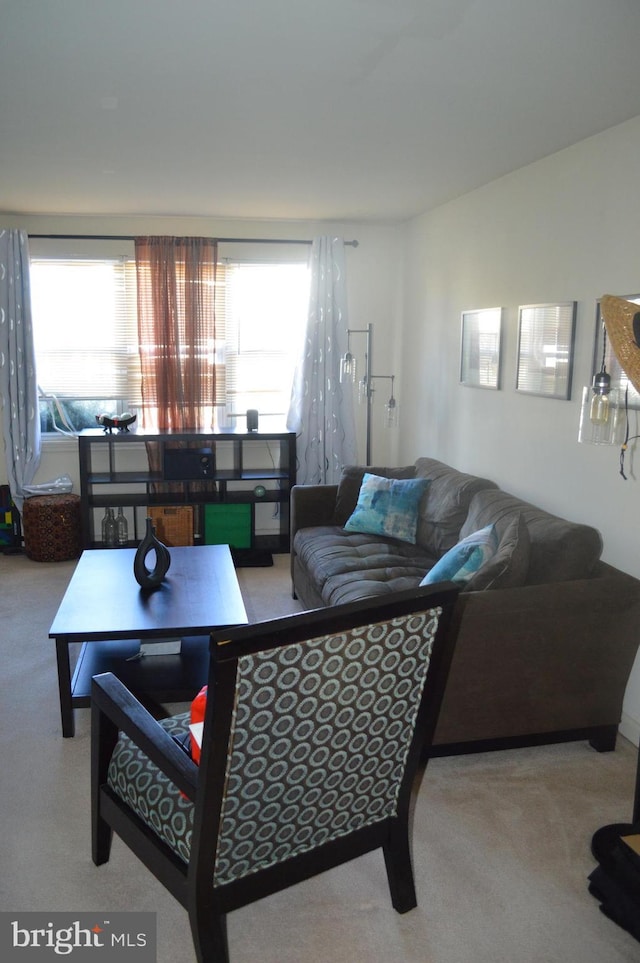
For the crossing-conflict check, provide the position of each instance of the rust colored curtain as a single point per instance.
(177, 288)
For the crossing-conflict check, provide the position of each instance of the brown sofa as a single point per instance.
(548, 633)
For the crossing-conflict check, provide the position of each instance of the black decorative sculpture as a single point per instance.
(119, 422)
(145, 577)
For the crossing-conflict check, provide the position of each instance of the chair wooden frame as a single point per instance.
(115, 710)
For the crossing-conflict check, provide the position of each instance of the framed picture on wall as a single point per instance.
(602, 351)
(545, 349)
(480, 348)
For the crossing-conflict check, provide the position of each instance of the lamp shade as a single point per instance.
(391, 413)
(601, 417)
(347, 368)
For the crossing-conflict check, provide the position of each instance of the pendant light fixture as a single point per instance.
(601, 418)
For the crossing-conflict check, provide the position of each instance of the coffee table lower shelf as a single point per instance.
(162, 678)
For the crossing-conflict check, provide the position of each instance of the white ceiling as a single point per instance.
(313, 109)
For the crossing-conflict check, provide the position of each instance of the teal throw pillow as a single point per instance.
(462, 561)
(388, 506)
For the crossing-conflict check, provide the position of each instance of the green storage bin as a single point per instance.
(227, 525)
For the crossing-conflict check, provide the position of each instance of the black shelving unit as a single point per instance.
(240, 463)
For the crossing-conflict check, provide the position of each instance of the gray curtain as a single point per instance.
(18, 382)
(321, 410)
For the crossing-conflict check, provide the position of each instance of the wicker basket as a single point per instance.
(173, 523)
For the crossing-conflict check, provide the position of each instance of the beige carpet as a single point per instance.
(501, 840)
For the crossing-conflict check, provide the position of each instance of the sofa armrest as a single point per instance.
(312, 505)
(309, 505)
(555, 657)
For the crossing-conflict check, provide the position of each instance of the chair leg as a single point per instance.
(397, 858)
(209, 932)
(101, 837)
(104, 735)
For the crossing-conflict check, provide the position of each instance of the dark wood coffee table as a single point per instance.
(105, 609)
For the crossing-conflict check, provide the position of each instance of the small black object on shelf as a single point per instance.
(252, 419)
(145, 577)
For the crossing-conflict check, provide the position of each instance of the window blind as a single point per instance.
(85, 328)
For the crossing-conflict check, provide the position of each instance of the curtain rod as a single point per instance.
(132, 237)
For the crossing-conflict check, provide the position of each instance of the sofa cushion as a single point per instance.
(344, 566)
(388, 506)
(464, 560)
(559, 550)
(509, 566)
(350, 482)
(369, 583)
(446, 506)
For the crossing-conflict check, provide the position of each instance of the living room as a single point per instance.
(560, 227)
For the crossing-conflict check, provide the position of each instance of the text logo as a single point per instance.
(79, 937)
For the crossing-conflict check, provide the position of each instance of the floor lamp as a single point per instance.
(366, 389)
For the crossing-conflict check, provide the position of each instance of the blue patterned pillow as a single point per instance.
(388, 506)
(462, 561)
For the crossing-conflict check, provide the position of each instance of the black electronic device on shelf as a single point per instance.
(188, 463)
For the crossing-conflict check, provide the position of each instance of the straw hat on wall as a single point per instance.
(622, 322)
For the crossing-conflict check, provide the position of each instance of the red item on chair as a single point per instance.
(198, 707)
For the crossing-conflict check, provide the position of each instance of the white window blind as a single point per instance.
(266, 309)
(86, 333)
(84, 317)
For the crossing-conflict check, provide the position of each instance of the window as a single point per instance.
(85, 338)
(85, 330)
(266, 306)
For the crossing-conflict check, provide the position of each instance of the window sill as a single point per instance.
(59, 442)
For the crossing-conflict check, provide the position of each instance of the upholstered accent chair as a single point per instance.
(313, 734)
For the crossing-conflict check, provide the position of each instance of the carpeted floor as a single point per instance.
(501, 840)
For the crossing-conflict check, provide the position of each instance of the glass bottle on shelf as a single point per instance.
(122, 528)
(105, 519)
(110, 533)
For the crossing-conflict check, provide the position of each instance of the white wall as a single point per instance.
(565, 228)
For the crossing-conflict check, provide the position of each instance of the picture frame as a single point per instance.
(546, 334)
(480, 350)
(602, 350)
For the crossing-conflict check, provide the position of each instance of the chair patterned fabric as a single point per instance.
(319, 739)
(150, 793)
